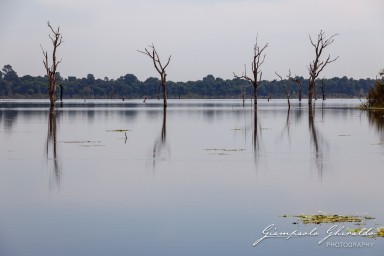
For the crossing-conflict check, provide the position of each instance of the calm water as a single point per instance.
(204, 178)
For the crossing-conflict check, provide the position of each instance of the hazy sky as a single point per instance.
(215, 37)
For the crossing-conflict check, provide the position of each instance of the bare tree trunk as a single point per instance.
(255, 94)
(165, 94)
(318, 65)
(310, 93)
(300, 91)
(258, 60)
(298, 82)
(160, 69)
(56, 39)
(287, 90)
(323, 88)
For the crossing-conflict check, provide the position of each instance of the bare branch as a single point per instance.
(257, 61)
(289, 75)
(57, 40)
(317, 65)
(159, 67)
(279, 75)
(169, 60)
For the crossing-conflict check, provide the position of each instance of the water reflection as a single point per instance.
(317, 141)
(9, 117)
(51, 145)
(218, 202)
(255, 139)
(160, 145)
(286, 128)
(376, 119)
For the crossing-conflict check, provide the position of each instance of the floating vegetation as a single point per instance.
(225, 150)
(85, 143)
(322, 218)
(380, 232)
(81, 141)
(118, 130)
(88, 146)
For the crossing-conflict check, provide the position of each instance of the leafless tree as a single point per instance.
(323, 88)
(287, 90)
(297, 81)
(152, 53)
(258, 60)
(57, 40)
(317, 65)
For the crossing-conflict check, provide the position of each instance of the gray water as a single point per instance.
(205, 177)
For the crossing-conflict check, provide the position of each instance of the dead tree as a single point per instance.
(323, 88)
(317, 65)
(287, 91)
(159, 67)
(57, 39)
(297, 80)
(258, 60)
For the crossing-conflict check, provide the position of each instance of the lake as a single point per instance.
(206, 177)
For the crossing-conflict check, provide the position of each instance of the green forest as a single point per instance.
(130, 87)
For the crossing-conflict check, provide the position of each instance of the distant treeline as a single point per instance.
(128, 86)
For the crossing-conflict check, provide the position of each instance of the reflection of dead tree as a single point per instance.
(317, 65)
(286, 128)
(57, 39)
(52, 142)
(160, 143)
(160, 69)
(299, 114)
(256, 136)
(258, 60)
(255, 140)
(317, 141)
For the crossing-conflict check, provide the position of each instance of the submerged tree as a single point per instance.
(258, 60)
(56, 39)
(297, 80)
(323, 88)
(159, 67)
(317, 65)
(287, 87)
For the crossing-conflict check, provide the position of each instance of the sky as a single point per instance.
(203, 36)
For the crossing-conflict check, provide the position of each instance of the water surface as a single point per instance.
(205, 177)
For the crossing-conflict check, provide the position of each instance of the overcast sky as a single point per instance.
(101, 37)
